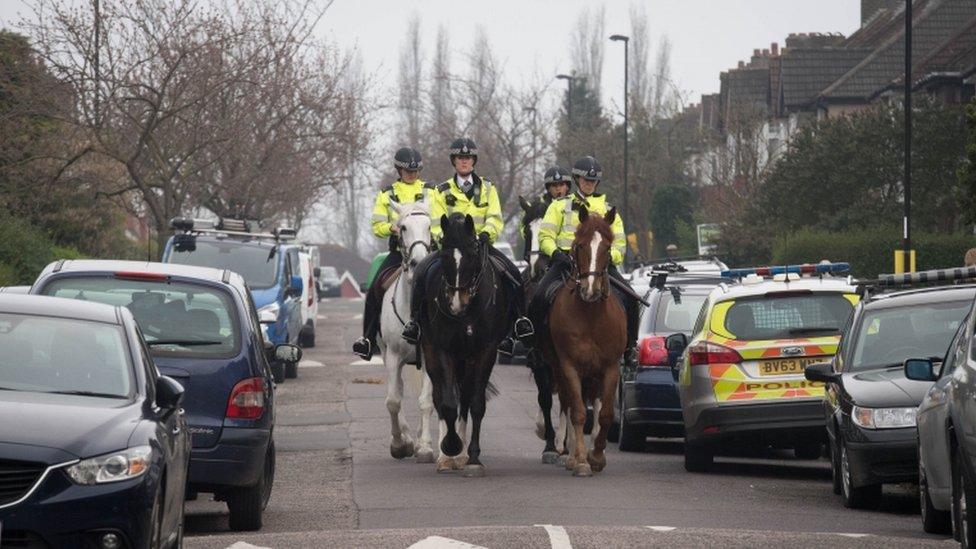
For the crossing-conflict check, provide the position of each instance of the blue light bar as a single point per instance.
(807, 268)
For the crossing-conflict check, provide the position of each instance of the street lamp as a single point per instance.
(626, 41)
(906, 234)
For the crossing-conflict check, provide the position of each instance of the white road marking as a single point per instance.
(245, 545)
(661, 528)
(310, 364)
(852, 535)
(357, 317)
(438, 542)
(321, 317)
(375, 361)
(558, 537)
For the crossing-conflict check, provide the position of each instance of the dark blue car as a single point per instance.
(93, 444)
(202, 329)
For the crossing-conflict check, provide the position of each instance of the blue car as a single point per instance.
(94, 444)
(269, 263)
(201, 328)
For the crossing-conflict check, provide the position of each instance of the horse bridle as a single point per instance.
(472, 285)
(405, 254)
(578, 276)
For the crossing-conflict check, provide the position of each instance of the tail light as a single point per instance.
(247, 399)
(311, 291)
(705, 352)
(139, 275)
(653, 352)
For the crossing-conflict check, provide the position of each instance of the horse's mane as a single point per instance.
(594, 223)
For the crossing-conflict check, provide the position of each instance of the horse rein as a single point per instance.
(405, 255)
(577, 276)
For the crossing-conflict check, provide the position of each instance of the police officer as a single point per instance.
(556, 237)
(557, 184)
(469, 194)
(407, 189)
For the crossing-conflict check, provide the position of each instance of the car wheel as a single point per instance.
(835, 474)
(291, 370)
(631, 438)
(246, 505)
(698, 458)
(934, 521)
(155, 518)
(278, 371)
(808, 450)
(307, 337)
(963, 527)
(862, 497)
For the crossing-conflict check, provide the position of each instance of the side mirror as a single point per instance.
(287, 352)
(920, 369)
(296, 285)
(169, 393)
(317, 272)
(676, 343)
(821, 371)
(267, 317)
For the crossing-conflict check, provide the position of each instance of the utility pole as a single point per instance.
(98, 79)
(626, 41)
(907, 242)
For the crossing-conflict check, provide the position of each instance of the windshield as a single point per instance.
(789, 316)
(890, 336)
(56, 355)
(256, 263)
(671, 316)
(176, 319)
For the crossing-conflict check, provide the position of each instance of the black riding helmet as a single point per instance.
(464, 146)
(408, 159)
(555, 175)
(588, 168)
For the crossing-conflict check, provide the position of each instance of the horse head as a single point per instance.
(463, 262)
(414, 225)
(591, 254)
(531, 223)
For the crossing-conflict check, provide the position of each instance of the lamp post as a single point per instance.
(626, 41)
(569, 98)
(906, 229)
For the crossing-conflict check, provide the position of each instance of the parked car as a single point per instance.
(870, 406)
(648, 403)
(201, 328)
(329, 280)
(15, 290)
(93, 443)
(741, 376)
(310, 300)
(268, 262)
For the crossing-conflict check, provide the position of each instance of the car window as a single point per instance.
(672, 316)
(702, 315)
(258, 264)
(955, 350)
(788, 316)
(195, 320)
(889, 336)
(49, 355)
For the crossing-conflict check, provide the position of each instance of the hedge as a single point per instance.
(25, 251)
(871, 251)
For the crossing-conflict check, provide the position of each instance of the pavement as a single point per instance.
(337, 485)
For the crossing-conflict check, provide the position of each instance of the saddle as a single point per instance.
(389, 276)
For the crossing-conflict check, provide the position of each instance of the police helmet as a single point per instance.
(408, 159)
(556, 175)
(588, 168)
(464, 147)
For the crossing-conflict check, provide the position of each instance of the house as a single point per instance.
(344, 260)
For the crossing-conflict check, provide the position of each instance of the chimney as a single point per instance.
(765, 53)
(742, 64)
(774, 49)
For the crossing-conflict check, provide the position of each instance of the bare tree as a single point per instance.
(411, 75)
(641, 85)
(662, 103)
(587, 45)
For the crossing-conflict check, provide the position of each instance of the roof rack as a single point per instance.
(931, 277)
(231, 227)
(661, 261)
(660, 278)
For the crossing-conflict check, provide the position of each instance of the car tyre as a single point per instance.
(698, 458)
(632, 439)
(155, 518)
(808, 450)
(835, 474)
(307, 337)
(291, 370)
(934, 521)
(963, 527)
(246, 505)
(856, 497)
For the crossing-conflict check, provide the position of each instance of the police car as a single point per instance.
(741, 378)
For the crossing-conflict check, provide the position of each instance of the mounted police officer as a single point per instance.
(556, 238)
(407, 189)
(469, 194)
(557, 184)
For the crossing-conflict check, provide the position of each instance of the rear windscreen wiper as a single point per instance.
(183, 342)
(813, 329)
(86, 393)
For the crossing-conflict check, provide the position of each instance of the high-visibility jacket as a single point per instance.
(404, 193)
(559, 225)
(483, 206)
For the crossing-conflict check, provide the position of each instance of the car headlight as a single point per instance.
(123, 465)
(883, 418)
(269, 311)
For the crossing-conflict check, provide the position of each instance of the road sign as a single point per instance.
(707, 233)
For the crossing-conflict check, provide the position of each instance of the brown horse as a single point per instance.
(587, 337)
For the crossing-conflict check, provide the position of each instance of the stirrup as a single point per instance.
(507, 347)
(524, 328)
(363, 347)
(411, 333)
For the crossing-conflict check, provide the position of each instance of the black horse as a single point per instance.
(465, 316)
(542, 372)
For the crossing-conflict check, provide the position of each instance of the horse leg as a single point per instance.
(402, 445)
(577, 460)
(544, 386)
(597, 458)
(478, 401)
(446, 404)
(424, 451)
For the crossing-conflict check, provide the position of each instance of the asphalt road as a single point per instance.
(338, 486)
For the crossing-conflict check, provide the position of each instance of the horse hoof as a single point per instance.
(400, 452)
(582, 470)
(475, 470)
(425, 455)
(596, 463)
(445, 464)
(460, 462)
(550, 458)
(562, 459)
(571, 463)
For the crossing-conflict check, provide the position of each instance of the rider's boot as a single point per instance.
(363, 347)
(411, 332)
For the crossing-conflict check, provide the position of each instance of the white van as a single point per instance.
(310, 299)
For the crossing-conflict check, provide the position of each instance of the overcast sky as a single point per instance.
(531, 36)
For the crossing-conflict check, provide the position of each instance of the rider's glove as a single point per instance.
(484, 238)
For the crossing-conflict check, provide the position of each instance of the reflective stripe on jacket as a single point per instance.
(558, 227)
(483, 207)
(404, 193)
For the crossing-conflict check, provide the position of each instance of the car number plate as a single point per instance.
(786, 366)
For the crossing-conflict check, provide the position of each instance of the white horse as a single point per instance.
(414, 226)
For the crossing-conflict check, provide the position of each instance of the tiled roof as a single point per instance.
(806, 72)
(957, 55)
(747, 87)
(933, 22)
